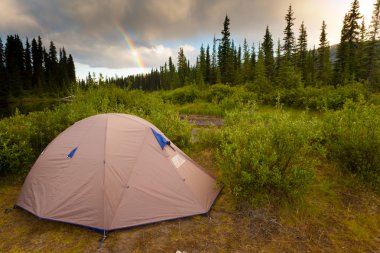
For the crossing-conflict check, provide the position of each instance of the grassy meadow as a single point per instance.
(300, 173)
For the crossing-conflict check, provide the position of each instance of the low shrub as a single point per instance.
(326, 97)
(183, 95)
(352, 137)
(218, 92)
(262, 158)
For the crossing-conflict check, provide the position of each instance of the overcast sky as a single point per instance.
(91, 30)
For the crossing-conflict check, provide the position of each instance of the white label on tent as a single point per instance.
(177, 161)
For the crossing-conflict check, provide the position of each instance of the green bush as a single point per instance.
(183, 95)
(218, 92)
(352, 137)
(238, 98)
(326, 97)
(265, 157)
(208, 138)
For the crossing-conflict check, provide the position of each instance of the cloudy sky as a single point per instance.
(131, 36)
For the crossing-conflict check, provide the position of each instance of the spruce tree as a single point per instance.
(28, 73)
(373, 52)
(246, 72)
(324, 65)
(199, 78)
(51, 64)
(63, 70)
(267, 48)
(341, 72)
(202, 62)
(207, 76)
(302, 51)
(71, 69)
(14, 61)
(278, 59)
(173, 77)
(261, 84)
(346, 67)
(182, 67)
(253, 63)
(312, 67)
(361, 55)
(4, 89)
(289, 41)
(225, 56)
(214, 63)
(238, 77)
(38, 78)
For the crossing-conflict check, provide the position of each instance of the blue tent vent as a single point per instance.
(72, 153)
(160, 139)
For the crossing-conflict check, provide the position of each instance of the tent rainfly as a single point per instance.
(113, 171)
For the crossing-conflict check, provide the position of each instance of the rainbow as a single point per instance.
(131, 46)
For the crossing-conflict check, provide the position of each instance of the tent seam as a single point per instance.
(133, 168)
(104, 176)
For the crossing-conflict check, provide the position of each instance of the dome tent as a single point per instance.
(113, 171)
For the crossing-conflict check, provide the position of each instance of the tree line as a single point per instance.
(292, 64)
(33, 68)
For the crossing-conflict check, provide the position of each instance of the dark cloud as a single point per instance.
(88, 28)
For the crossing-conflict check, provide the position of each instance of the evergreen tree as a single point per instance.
(71, 69)
(199, 78)
(51, 65)
(14, 61)
(38, 79)
(4, 89)
(302, 51)
(361, 56)
(253, 63)
(288, 76)
(207, 76)
(341, 72)
(372, 61)
(182, 68)
(225, 56)
(214, 64)
(346, 67)
(289, 41)
(261, 84)
(311, 67)
(172, 73)
(238, 77)
(28, 67)
(202, 63)
(278, 59)
(324, 65)
(268, 55)
(246, 72)
(64, 80)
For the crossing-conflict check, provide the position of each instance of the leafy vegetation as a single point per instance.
(352, 137)
(267, 156)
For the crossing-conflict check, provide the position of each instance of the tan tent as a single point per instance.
(113, 171)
